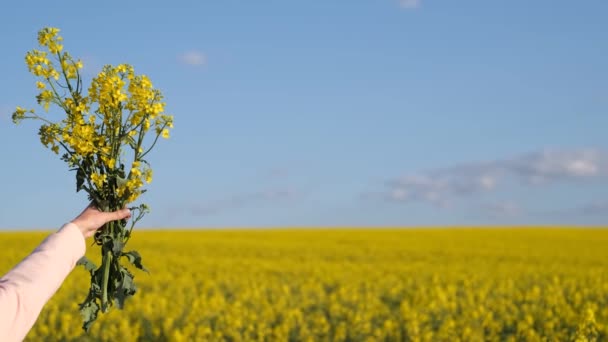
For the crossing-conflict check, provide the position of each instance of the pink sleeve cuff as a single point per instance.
(72, 241)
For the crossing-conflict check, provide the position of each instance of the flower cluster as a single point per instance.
(119, 110)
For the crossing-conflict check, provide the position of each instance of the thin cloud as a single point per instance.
(595, 208)
(240, 201)
(503, 209)
(410, 4)
(193, 58)
(593, 211)
(440, 186)
(276, 173)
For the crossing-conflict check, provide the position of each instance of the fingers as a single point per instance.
(118, 215)
(123, 214)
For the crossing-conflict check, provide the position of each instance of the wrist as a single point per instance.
(80, 227)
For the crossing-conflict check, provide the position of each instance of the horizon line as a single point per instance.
(340, 227)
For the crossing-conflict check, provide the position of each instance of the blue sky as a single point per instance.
(323, 113)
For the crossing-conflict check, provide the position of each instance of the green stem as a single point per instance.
(140, 139)
(65, 76)
(154, 143)
(107, 260)
(36, 116)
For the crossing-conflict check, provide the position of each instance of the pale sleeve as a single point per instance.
(28, 286)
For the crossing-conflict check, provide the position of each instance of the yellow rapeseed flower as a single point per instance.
(165, 133)
(148, 175)
(98, 180)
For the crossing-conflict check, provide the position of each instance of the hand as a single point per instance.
(92, 219)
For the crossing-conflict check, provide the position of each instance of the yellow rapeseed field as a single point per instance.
(541, 284)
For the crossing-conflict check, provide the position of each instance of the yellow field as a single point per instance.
(347, 285)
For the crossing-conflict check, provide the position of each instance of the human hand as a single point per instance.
(92, 219)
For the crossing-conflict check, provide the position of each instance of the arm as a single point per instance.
(28, 286)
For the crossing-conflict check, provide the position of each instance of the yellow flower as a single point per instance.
(19, 114)
(98, 180)
(111, 163)
(55, 48)
(121, 190)
(135, 171)
(40, 85)
(133, 197)
(158, 107)
(148, 175)
(45, 98)
(165, 133)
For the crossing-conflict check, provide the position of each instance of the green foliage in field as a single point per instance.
(347, 285)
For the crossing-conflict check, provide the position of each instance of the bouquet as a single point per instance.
(101, 135)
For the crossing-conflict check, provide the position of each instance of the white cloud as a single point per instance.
(398, 194)
(439, 186)
(410, 4)
(551, 165)
(194, 58)
(487, 182)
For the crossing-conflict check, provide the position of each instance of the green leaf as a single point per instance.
(80, 176)
(121, 181)
(88, 264)
(135, 259)
(89, 311)
(103, 205)
(126, 289)
(131, 142)
(117, 247)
